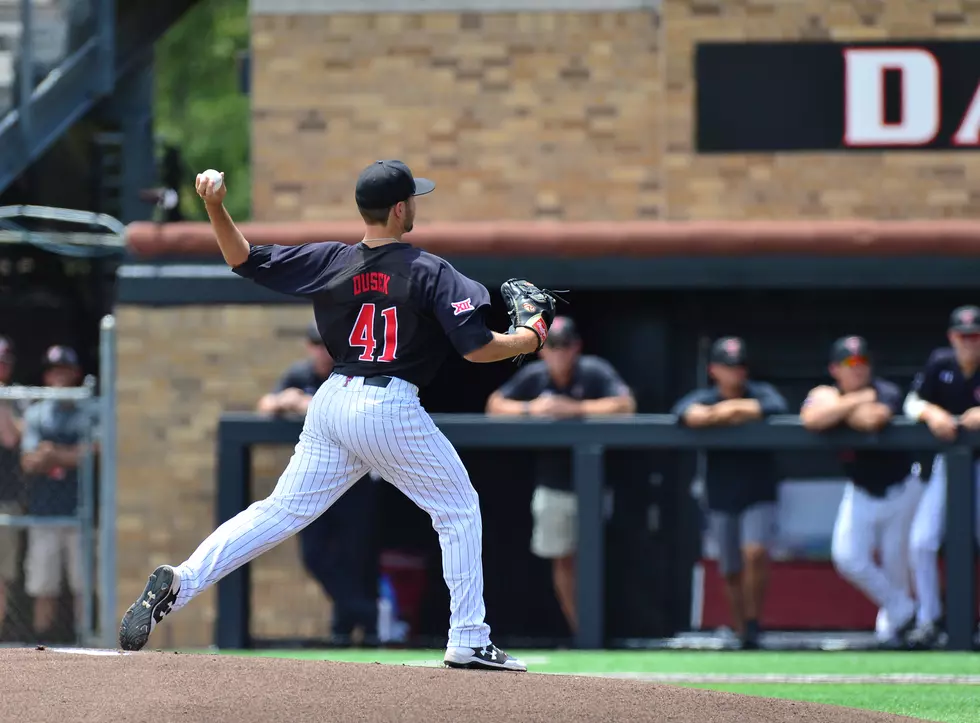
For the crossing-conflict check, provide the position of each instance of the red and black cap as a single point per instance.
(965, 319)
(385, 183)
(850, 350)
(60, 356)
(729, 351)
(562, 333)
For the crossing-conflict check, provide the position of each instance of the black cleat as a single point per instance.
(152, 606)
(489, 658)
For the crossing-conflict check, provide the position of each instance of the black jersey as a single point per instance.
(941, 382)
(393, 310)
(875, 470)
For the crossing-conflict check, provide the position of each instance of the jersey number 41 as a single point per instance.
(362, 335)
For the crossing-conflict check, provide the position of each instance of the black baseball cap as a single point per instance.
(850, 348)
(562, 332)
(729, 351)
(60, 356)
(385, 183)
(6, 350)
(965, 319)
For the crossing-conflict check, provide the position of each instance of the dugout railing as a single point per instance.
(588, 441)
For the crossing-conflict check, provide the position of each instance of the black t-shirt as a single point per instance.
(941, 382)
(877, 470)
(301, 375)
(737, 479)
(393, 310)
(592, 378)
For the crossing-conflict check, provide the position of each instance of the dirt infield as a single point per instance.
(44, 685)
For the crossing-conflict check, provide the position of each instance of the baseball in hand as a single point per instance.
(213, 175)
(210, 186)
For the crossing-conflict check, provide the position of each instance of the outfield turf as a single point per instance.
(853, 679)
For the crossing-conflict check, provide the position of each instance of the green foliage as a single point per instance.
(198, 106)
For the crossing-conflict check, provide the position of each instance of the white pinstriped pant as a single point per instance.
(349, 430)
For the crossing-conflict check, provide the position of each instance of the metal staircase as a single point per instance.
(118, 38)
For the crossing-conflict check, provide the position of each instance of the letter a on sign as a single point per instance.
(864, 97)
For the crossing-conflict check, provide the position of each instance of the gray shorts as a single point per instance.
(755, 525)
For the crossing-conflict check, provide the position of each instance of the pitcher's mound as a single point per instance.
(45, 685)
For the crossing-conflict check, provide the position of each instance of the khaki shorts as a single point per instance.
(9, 544)
(49, 550)
(555, 514)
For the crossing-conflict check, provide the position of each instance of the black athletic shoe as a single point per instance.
(489, 658)
(926, 637)
(152, 606)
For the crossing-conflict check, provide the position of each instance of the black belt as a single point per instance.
(379, 381)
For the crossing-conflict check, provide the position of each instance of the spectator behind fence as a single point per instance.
(740, 485)
(882, 493)
(54, 431)
(563, 383)
(10, 476)
(338, 547)
(945, 395)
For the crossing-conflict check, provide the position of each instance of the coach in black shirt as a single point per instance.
(880, 498)
(563, 383)
(337, 548)
(300, 381)
(741, 485)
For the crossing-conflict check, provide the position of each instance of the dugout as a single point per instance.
(649, 297)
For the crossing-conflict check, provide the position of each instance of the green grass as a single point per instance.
(946, 703)
(629, 661)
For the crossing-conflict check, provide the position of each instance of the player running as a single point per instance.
(389, 315)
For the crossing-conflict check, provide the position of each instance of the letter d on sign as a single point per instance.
(864, 97)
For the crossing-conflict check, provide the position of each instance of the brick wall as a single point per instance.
(515, 115)
(179, 368)
(572, 115)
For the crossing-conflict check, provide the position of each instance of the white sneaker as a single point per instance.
(487, 658)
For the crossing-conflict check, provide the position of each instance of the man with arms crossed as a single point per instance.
(741, 485)
(881, 495)
(389, 315)
(561, 384)
(945, 395)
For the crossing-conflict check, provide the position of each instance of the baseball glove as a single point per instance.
(529, 306)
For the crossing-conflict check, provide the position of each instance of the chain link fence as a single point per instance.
(49, 439)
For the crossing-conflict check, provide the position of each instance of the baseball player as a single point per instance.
(882, 493)
(945, 395)
(562, 383)
(741, 485)
(389, 315)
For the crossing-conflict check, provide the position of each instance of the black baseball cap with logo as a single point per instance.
(563, 332)
(729, 351)
(385, 183)
(965, 319)
(850, 350)
(60, 356)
